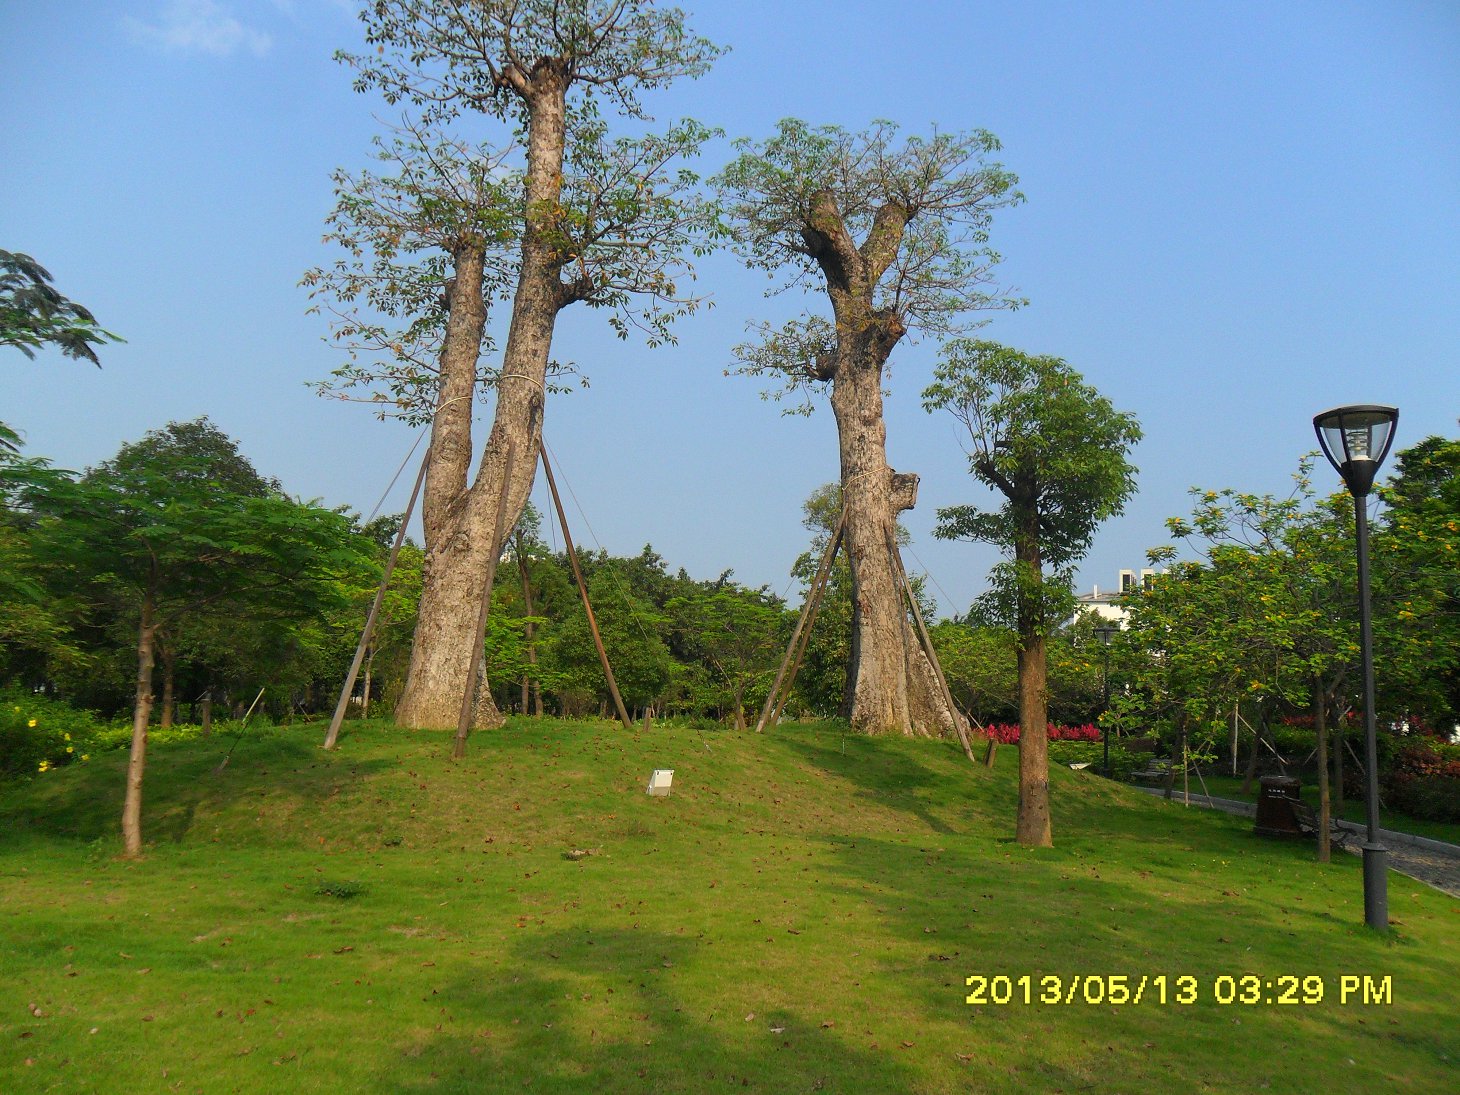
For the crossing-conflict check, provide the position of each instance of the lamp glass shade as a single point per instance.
(1356, 440)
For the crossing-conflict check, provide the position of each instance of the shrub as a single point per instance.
(1008, 733)
(38, 733)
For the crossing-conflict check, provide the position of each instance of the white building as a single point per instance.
(1105, 604)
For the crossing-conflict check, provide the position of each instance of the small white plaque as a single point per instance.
(661, 779)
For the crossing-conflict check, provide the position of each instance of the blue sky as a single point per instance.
(1238, 214)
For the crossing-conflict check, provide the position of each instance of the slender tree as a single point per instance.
(895, 232)
(1055, 450)
(601, 221)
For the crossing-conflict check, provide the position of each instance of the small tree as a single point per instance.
(1055, 449)
(895, 232)
(162, 537)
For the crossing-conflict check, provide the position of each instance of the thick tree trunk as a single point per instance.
(141, 714)
(458, 520)
(890, 684)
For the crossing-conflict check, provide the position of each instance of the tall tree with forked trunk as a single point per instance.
(895, 232)
(603, 221)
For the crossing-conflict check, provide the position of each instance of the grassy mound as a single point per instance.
(801, 914)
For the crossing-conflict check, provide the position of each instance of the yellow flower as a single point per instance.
(85, 756)
(67, 737)
(70, 749)
(31, 723)
(45, 766)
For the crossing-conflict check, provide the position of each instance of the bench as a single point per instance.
(1307, 818)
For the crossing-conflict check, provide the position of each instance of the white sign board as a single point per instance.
(661, 779)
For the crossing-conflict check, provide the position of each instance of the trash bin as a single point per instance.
(1275, 813)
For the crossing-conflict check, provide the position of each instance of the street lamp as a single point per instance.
(1356, 440)
(1105, 633)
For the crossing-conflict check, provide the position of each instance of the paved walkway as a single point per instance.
(1432, 862)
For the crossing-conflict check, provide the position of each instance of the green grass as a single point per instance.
(799, 915)
(1223, 786)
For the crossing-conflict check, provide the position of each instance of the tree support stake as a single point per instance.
(618, 702)
(333, 735)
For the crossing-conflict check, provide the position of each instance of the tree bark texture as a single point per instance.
(891, 685)
(458, 518)
(141, 715)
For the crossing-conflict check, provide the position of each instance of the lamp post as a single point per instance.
(1105, 633)
(1356, 439)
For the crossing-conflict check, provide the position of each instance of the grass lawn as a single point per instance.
(1224, 786)
(800, 915)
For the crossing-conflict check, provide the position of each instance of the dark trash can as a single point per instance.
(1276, 815)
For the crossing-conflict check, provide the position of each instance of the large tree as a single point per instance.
(895, 233)
(597, 220)
(1054, 449)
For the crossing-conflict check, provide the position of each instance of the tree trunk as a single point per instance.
(169, 700)
(1320, 723)
(457, 519)
(1033, 826)
(1338, 764)
(207, 713)
(529, 683)
(891, 685)
(365, 688)
(1252, 758)
(141, 714)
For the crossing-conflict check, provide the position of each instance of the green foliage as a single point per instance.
(1049, 443)
(33, 314)
(38, 733)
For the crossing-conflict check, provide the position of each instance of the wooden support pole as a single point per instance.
(473, 669)
(817, 597)
(927, 644)
(530, 687)
(822, 570)
(333, 735)
(618, 702)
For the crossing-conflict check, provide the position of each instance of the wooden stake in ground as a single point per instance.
(333, 735)
(529, 684)
(618, 701)
(808, 614)
(473, 671)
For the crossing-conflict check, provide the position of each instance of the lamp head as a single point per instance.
(1356, 440)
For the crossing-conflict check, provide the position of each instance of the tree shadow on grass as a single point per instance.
(884, 772)
(574, 1011)
(83, 803)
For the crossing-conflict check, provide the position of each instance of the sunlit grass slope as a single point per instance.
(801, 914)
